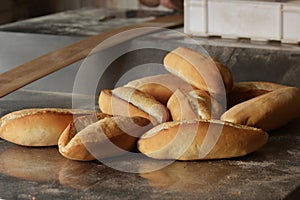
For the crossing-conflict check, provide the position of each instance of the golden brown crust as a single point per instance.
(37, 127)
(113, 105)
(199, 70)
(128, 101)
(180, 108)
(97, 137)
(268, 111)
(161, 87)
(196, 104)
(77, 151)
(165, 141)
(243, 91)
(225, 73)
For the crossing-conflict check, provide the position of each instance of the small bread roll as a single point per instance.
(37, 127)
(128, 101)
(200, 71)
(77, 152)
(268, 111)
(196, 104)
(200, 140)
(243, 91)
(161, 87)
(108, 137)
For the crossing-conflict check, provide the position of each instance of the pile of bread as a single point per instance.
(195, 112)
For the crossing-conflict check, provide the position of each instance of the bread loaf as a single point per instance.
(37, 127)
(161, 86)
(268, 111)
(200, 140)
(77, 150)
(108, 137)
(243, 91)
(196, 104)
(199, 70)
(128, 101)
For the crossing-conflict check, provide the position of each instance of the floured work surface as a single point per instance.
(82, 22)
(272, 172)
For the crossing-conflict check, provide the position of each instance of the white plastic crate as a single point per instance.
(291, 22)
(256, 20)
(195, 17)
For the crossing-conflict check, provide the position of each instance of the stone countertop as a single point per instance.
(81, 22)
(273, 172)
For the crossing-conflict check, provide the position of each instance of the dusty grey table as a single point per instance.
(273, 172)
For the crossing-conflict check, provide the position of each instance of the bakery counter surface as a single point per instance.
(272, 172)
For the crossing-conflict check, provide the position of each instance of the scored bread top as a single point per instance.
(161, 86)
(185, 105)
(35, 111)
(200, 103)
(122, 131)
(171, 124)
(79, 124)
(200, 139)
(37, 126)
(169, 81)
(143, 101)
(258, 85)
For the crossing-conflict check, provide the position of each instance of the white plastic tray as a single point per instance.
(256, 20)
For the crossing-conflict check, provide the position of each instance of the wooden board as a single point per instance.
(24, 74)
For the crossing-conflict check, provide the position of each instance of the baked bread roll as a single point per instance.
(108, 137)
(78, 151)
(128, 101)
(161, 87)
(200, 139)
(200, 71)
(268, 111)
(196, 104)
(243, 91)
(37, 127)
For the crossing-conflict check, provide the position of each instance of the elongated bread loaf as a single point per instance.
(128, 101)
(196, 104)
(200, 139)
(268, 111)
(37, 127)
(243, 91)
(200, 71)
(161, 87)
(108, 137)
(77, 151)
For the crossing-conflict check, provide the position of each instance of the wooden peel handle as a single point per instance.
(33, 70)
